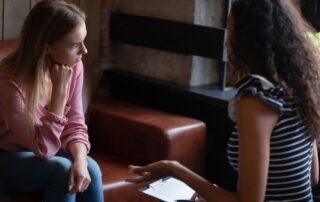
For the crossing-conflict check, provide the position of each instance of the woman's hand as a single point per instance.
(60, 77)
(79, 179)
(197, 198)
(153, 171)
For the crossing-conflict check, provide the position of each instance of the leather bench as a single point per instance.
(122, 134)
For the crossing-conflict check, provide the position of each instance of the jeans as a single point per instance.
(23, 172)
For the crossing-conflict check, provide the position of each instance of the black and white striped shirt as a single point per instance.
(290, 144)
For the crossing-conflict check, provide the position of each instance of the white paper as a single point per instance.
(169, 189)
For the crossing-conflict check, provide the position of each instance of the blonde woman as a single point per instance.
(43, 136)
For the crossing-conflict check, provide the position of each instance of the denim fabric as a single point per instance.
(23, 172)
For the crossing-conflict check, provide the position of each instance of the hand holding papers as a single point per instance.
(169, 189)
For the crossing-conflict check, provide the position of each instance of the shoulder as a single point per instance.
(8, 82)
(11, 93)
(256, 83)
(251, 105)
(258, 86)
(255, 90)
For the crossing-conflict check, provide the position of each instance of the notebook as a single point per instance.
(169, 189)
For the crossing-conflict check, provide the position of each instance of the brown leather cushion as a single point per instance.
(142, 134)
(7, 46)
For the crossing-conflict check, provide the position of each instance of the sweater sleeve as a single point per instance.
(51, 132)
(76, 129)
(45, 142)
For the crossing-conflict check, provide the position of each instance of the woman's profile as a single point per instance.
(43, 136)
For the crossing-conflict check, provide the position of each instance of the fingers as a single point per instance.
(78, 183)
(145, 173)
(194, 196)
(136, 169)
(71, 183)
(60, 77)
(197, 198)
(145, 176)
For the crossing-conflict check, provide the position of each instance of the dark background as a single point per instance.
(311, 11)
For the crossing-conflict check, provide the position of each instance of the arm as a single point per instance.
(48, 126)
(76, 129)
(75, 137)
(60, 76)
(315, 165)
(255, 122)
(79, 178)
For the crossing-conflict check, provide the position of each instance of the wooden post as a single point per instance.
(15, 12)
(1, 20)
(223, 76)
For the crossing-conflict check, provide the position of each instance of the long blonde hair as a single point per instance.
(47, 22)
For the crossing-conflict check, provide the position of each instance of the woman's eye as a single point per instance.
(75, 45)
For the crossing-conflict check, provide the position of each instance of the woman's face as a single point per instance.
(69, 50)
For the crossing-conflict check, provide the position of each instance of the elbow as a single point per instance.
(315, 179)
(47, 151)
(314, 176)
(45, 155)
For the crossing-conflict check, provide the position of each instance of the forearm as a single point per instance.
(60, 76)
(78, 151)
(204, 188)
(315, 165)
(57, 103)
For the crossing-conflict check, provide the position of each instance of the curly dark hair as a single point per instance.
(269, 38)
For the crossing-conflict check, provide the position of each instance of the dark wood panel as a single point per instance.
(168, 35)
(311, 11)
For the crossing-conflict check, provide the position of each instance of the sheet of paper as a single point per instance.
(169, 189)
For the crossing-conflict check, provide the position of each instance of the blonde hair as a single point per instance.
(47, 22)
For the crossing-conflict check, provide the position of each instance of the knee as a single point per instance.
(94, 170)
(60, 168)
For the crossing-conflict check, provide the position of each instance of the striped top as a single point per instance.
(290, 145)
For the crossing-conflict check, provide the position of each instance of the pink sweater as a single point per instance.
(53, 132)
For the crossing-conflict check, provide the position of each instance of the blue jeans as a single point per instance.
(23, 172)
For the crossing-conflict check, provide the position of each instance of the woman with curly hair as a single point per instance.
(276, 109)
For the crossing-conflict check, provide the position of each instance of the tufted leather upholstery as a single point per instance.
(123, 134)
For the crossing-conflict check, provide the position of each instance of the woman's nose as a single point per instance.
(84, 49)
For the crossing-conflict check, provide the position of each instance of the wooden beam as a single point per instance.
(168, 35)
